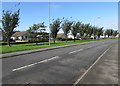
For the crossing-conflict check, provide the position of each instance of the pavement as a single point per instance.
(105, 71)
(56, 66)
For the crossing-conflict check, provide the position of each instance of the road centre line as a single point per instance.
(90, 47)
(46, 60)
(75, 51)
(79, 50)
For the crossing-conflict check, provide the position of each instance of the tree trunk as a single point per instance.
(54, 41)
(98, 36)
(66, 38)
(74, 38)
(8, 42)
(36, 40)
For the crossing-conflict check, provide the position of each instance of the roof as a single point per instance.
(61, 35)
(16, 34)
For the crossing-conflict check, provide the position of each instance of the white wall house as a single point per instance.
(70, 36)
(63, 35)
(117, 36)
(20, 35)
(102, 37)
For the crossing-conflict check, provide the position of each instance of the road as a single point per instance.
(58, 66)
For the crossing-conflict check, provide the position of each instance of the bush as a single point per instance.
(86, 38)
(59, 38)
(38, 40)
(63, 39)
(24, 40)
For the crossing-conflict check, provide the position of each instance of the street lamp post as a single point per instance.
(49, 22)
(93, 33)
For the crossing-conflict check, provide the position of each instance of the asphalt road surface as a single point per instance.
(58, 66)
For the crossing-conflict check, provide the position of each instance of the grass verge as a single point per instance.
(30, 46)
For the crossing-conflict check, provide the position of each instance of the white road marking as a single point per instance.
(80, 78)
(90, 47)
(79, 50)
(35, 63)
(75, 51)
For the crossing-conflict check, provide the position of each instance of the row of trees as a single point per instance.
(111, 32)
(10, 21)
(78, 28)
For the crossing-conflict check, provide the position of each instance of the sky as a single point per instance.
(60, 0)
(101, 14)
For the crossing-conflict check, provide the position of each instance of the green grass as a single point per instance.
(30, 46)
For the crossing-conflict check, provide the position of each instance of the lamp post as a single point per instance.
(49, 22)
(93, 33)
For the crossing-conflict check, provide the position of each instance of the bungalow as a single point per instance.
(20, 35)
(63, 35)
(117, 36)
(70, 36)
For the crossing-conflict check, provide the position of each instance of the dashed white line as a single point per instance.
(75, 51)
(79, 50)
(90, 47)
(16, 69)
